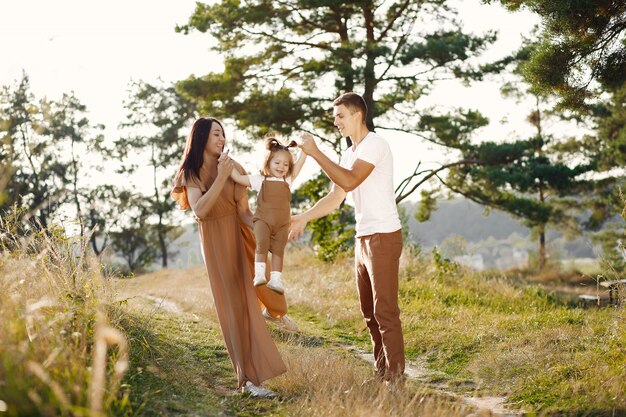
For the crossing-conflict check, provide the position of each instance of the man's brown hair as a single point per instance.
(354, 102)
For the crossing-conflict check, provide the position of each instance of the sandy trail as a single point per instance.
(494, 406)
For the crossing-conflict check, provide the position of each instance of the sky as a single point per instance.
(96, 48)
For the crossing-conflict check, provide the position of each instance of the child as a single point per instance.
(273, 213)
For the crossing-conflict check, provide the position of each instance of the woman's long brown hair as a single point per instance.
(193, 156)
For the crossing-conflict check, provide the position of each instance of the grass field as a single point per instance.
(471, 338)
(468, 334)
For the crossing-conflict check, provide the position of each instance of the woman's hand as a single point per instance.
(225, 166)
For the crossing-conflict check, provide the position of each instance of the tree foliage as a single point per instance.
(581, 58)
(332, 235)
(44, 148)
(154, 138)
(536, 179)
(134, 238)
(284, 61)
(583, 47)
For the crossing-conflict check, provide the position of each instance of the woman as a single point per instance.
(203, 184)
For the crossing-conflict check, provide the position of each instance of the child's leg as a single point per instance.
(262, 235)
(278, 244)
(259, 274)
(277, 263)
(275, 303)
(275, 283)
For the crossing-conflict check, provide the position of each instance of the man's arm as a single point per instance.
(324, 206)
(348, 179)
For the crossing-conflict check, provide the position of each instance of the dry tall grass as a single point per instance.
(188, 288)
(327, 382)
(481, 333)
(474, 334)
(54, 310)
(324, 379)
(328, 289)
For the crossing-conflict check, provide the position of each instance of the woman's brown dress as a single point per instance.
(228, 252)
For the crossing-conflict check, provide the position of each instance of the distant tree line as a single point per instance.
(58, 168)
(283, 64)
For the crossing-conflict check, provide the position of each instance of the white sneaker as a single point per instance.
(257, 391)
(275, 282)
(259, 274)
(285, 322)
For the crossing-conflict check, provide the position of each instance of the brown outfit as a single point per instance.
(272, 218)
(228, 251)
(377, 261)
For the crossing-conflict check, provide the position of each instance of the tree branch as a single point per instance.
(393, 19)
(433, 173)
(288, 42)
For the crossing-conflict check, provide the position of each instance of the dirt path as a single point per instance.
(164, 303)
(495, 406)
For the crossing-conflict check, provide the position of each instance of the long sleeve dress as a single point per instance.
(228, 252)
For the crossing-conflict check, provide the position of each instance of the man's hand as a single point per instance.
(296, 230)
(308, 145)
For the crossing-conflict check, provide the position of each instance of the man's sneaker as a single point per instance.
(257, 391)
(285, 322)
(275, 282)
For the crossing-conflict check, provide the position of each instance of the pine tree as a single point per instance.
(582, 49)
(285, 61)
(537, 179)
(155, 129)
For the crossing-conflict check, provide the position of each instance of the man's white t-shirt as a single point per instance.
(256, 181)
(374, 199)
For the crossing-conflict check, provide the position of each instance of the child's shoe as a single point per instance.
(275, 282)
(259, 274)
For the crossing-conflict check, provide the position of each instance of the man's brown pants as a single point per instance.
(377, 261)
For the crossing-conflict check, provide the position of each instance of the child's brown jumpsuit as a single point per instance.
(272, 217)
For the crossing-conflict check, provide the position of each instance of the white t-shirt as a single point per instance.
(256, 181)
(374, 199)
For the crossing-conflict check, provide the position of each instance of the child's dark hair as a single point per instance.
(273, 146)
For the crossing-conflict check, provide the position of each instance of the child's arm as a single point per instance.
(240, 178)
(297, 166)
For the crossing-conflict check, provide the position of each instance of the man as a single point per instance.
(366, 171)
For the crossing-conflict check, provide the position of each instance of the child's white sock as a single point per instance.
(259, 274)
(275, 282)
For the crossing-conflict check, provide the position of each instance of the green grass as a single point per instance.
(475, 334)
(184, 352)
(180, 367)
(491, 335)
(518, 340)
